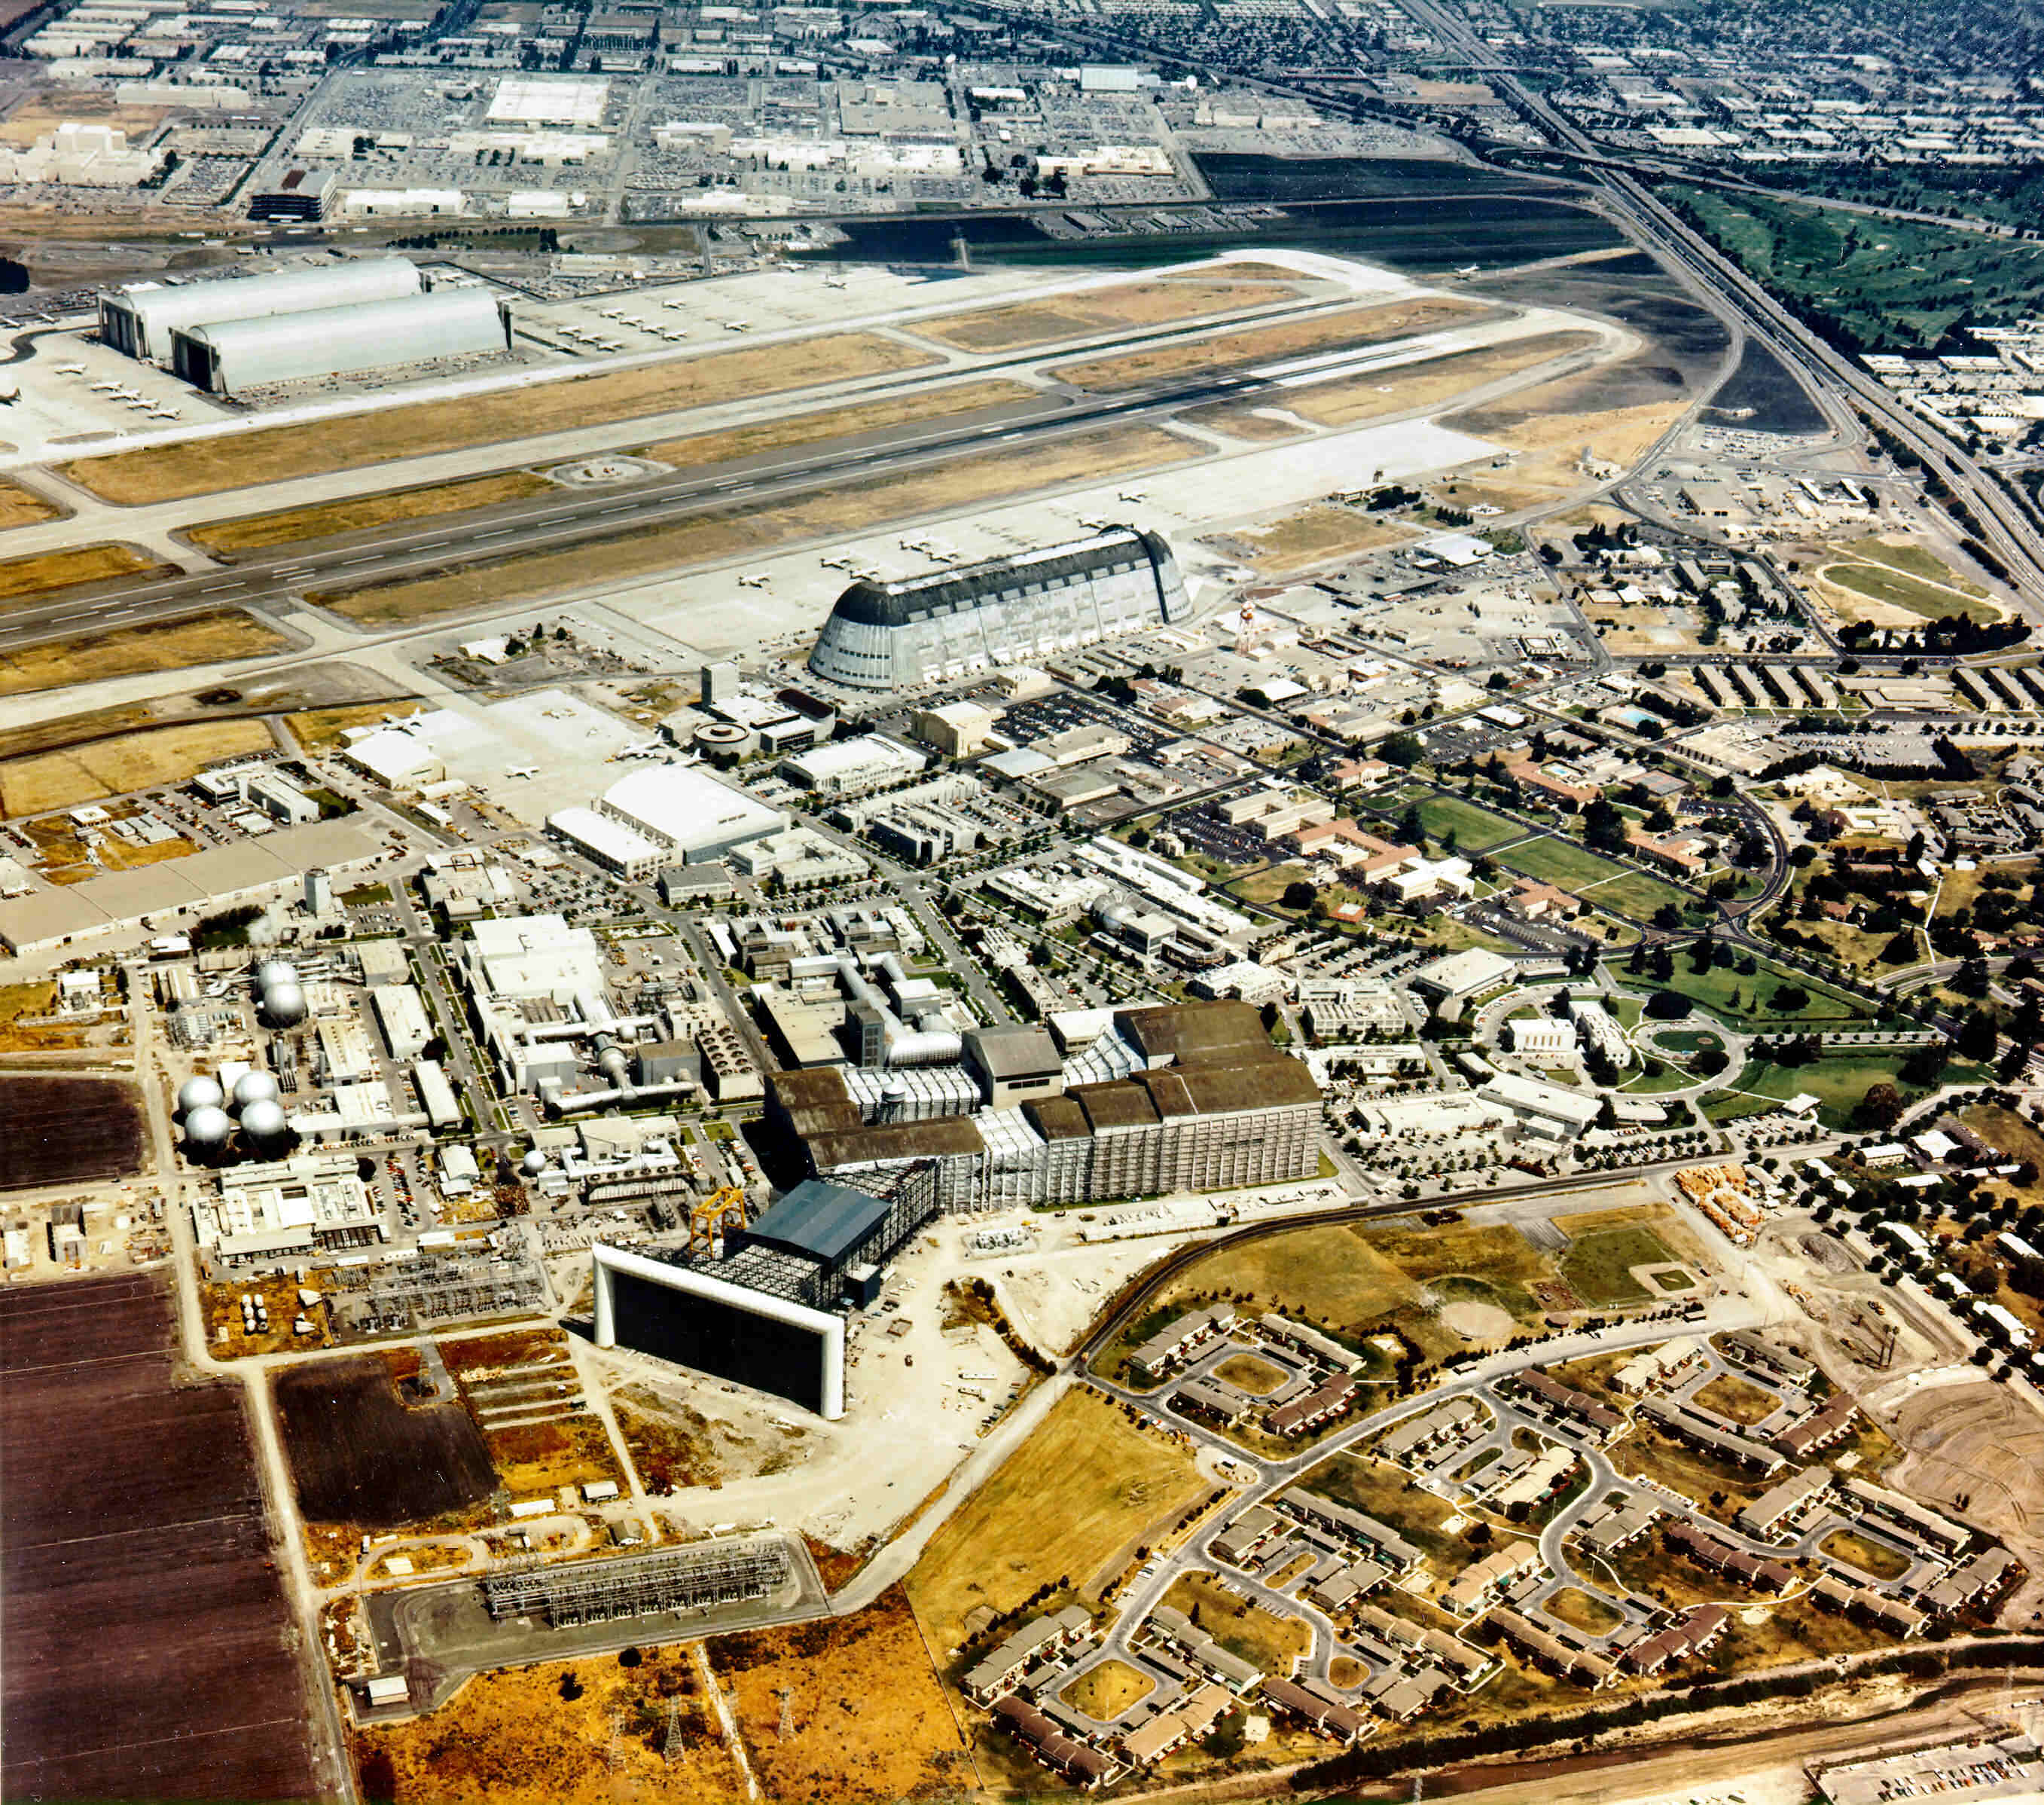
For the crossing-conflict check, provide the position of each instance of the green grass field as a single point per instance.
(1838, 1083)
(1892, 285)
(1560, 862)
(1598, 1266)
(1637, 895)
(1913, 560)
(1476, 831)
(1900, 590)
(1714, 989)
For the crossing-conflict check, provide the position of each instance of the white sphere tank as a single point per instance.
(284, 1005)
(533, 1163)
(276, 971)
(254, 1087)
(199, 1092)
(207, 1126)
(263, 1120)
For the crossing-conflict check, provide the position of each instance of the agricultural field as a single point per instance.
(1112, 1484)
(66, 1130)
(362, 1454)
(866, 1713)
(144, 1650)
(583, 1732)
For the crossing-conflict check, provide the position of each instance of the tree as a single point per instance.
(1667, 1006)
(1400, 749)
(1790, 1000)
(1881, 1108)
(1978, 1037)
(1299, 895)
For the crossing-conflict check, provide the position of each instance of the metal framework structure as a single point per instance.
(697, 1578)
(714, 1217)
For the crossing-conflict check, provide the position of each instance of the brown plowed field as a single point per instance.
(62, 1130)
(142, 1651)
(358, 1456)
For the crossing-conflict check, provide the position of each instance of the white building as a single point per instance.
(1541, 1038)
(401, 1014)
(687, 813)
(140, 319)
(395, 759)
(850, 767)
(1595, 1023)
(619, 849)
(1550, 1111)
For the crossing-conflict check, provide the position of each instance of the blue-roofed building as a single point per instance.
(838, 1229)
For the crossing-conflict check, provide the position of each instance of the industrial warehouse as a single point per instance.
(895, 636)
(229, 336)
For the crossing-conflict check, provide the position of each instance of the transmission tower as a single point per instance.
(787, 1731)
(671, 1746)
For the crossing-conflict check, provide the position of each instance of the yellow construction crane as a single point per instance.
(724, 1208)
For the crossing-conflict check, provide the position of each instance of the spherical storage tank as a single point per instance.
(284, 1005)
(199, 1092)
(263, 1120)
(273, 972)
(253, 1087)
(534, 1163)
(207, 1126)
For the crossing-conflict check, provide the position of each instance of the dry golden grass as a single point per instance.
(707, 448)
(1435, 382)
(1105, 1691)
(19, 1033)
(23, 507)
(870, 1720)
(535, 1457)
(1556, 423)
(1314, 533)
(1084, 1486)
(62, 570)
(1325, 332)
(277, 454)
(320, 729)
(536, 1736)
(727, 532)
(1243, 1628)
(44, 112)
(255, 531)
(134, 761)
(1582, 1610)
(128, 652)
(1060, 316)
(1737, 1399)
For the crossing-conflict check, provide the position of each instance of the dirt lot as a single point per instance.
(728, 532)
(359, 1454)
(142, 1648)
(1313, 535)
(869, 1718)
(1356, 326)
(589, 1731)
(1108, 1484)
(256, 532)
(707, 448)
(1100, 310)
(67, 1130)
(1434, 383)
(86, 563)
(1977, 1442)
(23, 507)
(277, 454)
(20, 1031)
(1614, 415)
(127, 652)
(131, 762)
